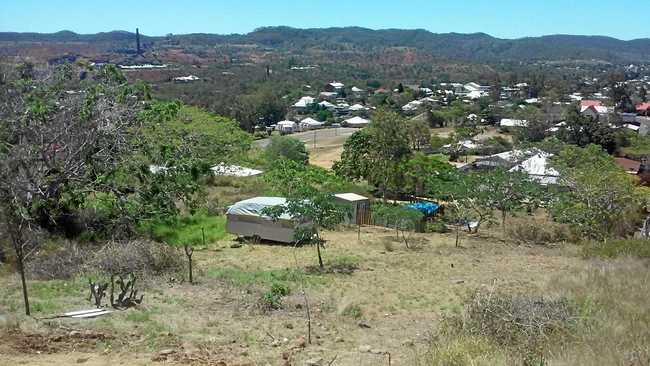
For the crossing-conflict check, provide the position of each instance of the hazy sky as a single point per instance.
(624, 19)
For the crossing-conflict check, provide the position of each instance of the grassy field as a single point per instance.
(377, 298)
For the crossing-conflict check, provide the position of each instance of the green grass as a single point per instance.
(189, 230)
(264, 278)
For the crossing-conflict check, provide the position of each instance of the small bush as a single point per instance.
(538, 232)
(272, 299)
(618, 248)
(526, 326)
(137, 257)
(64, 262)
(437, 227)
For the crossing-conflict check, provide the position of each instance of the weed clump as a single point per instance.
(272, 299)
(618, 248)
(525, 326)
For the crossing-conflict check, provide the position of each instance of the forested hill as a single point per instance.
(477, 47)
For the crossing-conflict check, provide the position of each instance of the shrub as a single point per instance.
(618, 248)
(66, 261)
(437, 227)
(538, 232)
(272, 299)
(284, 147)
(524, 325)
(141, 257)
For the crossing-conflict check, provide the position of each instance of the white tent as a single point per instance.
(357, 122)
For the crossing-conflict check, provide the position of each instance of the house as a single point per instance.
(334, 87)
(412, 106)
(186, 79)
(585, 103)
(327, 105)
(643, 109)
(533, 162)
(328, 95)
(357, 90)
(286, 127)
(357, 122)
(507, 122)
(475, 87)
(538, 169)
(310, 124)
(358, 108)
(595, 112)
(304, 103)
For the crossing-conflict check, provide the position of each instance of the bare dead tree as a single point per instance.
(55, 144)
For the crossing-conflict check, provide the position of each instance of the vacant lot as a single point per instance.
(375, 298)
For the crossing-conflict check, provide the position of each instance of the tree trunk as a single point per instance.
(320, 258)
(457, 235)
(20, 258)
(188, 252)
(503, 221)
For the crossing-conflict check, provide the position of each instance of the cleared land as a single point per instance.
(391, 302)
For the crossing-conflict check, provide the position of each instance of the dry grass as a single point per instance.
(400, 294)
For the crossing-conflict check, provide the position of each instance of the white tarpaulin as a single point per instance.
(224, 170)
(255, 206)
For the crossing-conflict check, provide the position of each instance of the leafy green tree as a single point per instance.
(389, 146)
(601, 200)
(436, 118)
(510, 191)
(418, 134)
(355, 159)
(56, 149)
(405, 220)
(286, 147)
(582, 131)
(424, 175)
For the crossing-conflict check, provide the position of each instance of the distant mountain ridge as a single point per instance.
(479, 47)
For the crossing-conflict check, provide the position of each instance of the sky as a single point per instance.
(500, 18)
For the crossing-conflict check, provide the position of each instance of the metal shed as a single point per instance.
(360, 208)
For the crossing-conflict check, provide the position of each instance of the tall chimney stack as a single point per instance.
(137, 39)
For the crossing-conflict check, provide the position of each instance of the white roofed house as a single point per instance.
(327, 105)
(310, 124)
(533, 162)
(412, 106)
(186, 79)
(507, 122)
(328, 95)
(304, 103)
(357, 122)
(334, 86)
(538, 169)
(286, 127)
(358, 108)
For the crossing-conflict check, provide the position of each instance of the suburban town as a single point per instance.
(366, 189)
